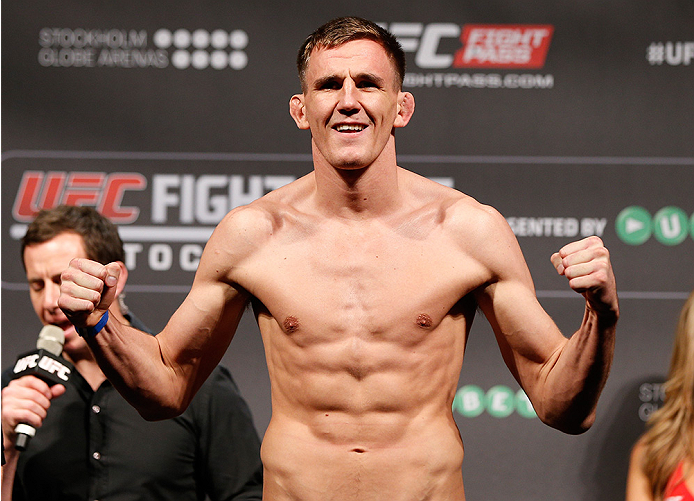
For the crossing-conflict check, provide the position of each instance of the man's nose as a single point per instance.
(51, 293)
(349, 98)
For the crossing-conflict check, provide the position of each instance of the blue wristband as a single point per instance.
(93, 331)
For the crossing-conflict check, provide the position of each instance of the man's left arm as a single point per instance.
(562, 377)
(586, 264)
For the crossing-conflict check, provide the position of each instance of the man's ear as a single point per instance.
(405, 109)
(297, 111)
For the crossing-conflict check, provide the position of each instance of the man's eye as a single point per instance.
(332, 85)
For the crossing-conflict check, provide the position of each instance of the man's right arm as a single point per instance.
(159, 375)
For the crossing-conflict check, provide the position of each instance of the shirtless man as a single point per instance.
(364, 279)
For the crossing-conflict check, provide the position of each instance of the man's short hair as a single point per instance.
(100, 236)
(346, 29)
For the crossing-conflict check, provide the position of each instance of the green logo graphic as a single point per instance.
(633, 225)
(500, 402)
(469, 401)
(670, 225)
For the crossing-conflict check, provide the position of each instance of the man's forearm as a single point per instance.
(578, 376)
(132, 360)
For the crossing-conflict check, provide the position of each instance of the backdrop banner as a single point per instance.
(572, 120)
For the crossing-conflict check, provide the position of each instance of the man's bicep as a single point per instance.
(519, 320)
(202, 327)
(199, 332)
(527, 336)
(208, 317)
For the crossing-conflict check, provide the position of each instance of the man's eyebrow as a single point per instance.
(369, 77)
(320, 82)
(380, 81)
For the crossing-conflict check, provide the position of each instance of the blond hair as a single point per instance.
(670, 435)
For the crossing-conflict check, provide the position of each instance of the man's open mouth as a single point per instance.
(350, 128)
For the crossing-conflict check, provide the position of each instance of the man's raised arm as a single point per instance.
(159, 375)
(562, 377)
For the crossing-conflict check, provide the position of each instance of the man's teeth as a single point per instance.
(350, 128)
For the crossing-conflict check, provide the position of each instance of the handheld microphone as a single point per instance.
(46, 364)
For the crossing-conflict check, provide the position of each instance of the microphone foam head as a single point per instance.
(51, 339)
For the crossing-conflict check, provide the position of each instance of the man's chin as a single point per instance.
(350, 164)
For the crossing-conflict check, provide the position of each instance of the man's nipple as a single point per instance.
(291, 324)
(424, 321)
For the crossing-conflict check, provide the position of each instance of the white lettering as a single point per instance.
(673, 53)
(407, 34)
(425, 47)
(52, 366)
(241, 197)
(649, 392)
(187, 197)
(645, 411)
(670, 227)
(499, 402)
(471, 401)
(189, 259)
(688, 52)
(161, 198)
(592, 226)
(207, 198)
(426, 56)
(160, 257)
(24, 363)
(163, 256)
(556, 226)
(210, 209)
(479, 80)
(81, 38)
(131, 252)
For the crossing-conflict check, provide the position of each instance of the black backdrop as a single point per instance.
(570, 119)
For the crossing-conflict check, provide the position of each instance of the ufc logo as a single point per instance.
(475, 46)
(424, 40)
(39, 190)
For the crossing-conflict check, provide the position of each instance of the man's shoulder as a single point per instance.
(450, 199)
(262, 217)
(461, 212)
(460, 215)
(474, 215)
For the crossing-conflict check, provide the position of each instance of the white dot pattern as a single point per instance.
(202, 49)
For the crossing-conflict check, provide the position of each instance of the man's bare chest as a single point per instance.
(363, 282)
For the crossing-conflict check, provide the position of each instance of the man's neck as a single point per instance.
(358, 193)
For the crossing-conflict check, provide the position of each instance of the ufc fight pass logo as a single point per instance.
(498, 46)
